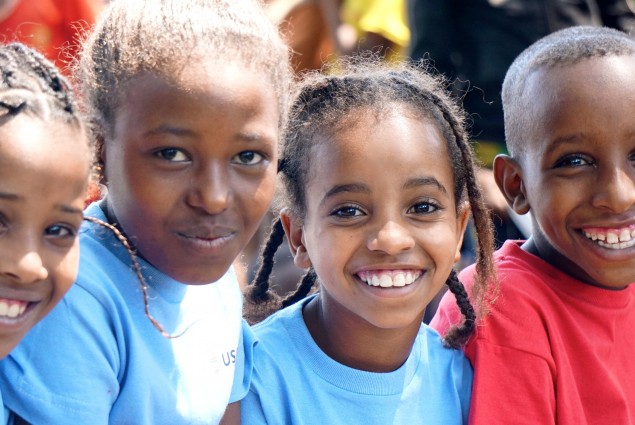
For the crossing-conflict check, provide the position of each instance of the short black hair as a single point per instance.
(564, 47)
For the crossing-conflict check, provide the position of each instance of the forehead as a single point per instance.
(46, 155)
(392, 148)
(31, 140)
(203, 88)
(581, 98)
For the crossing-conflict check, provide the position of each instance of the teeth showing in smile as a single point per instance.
(389, 279)
(12, 308)
(612, 239)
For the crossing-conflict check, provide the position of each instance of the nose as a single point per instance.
(211, 190)
(23, 265)
(391, 238)
(616, 190)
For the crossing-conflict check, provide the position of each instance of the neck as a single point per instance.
(353, 342)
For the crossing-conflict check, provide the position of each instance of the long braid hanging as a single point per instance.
(137, 269)
(458, 336)
(479, 212)
(259, 288)
(307, 282)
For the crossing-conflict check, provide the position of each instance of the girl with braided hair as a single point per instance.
(44, 173)
(187, 99)
(379, 184)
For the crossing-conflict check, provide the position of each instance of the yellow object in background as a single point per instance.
(384, 17)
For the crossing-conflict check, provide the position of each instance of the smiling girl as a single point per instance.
(378, 177)
(44, 168)
(187, 99)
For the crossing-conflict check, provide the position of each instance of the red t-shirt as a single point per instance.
(51, 26)
(553, 350)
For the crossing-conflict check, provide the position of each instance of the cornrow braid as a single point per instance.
(25, 68)
(137, 269)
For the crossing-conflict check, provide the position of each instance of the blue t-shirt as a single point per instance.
(295, 382)
(97, 359)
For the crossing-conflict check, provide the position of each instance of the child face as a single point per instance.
(381, 227)
(43, 178)
(191, 166)
(578, 171)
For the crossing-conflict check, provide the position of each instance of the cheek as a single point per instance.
(65, 273)
(256, 197)
(442, 245)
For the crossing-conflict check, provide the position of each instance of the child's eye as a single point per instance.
(248, 158)
(348, 211)
(576, 160)
(172, 155)
(3, 225)
(423, 208)
(58, 231)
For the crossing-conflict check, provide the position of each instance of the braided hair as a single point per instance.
(329, 101)
(30, 83)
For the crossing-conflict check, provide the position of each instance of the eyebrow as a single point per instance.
(248, 136)
(61, 207)
(362, 188)
(425, 181)
(9, 196)
(566, 140)
(341, 188)
(69, 209)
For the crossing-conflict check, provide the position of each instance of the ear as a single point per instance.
(509, 178)
(461, 224)
(295, 237)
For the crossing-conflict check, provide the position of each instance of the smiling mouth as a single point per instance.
(389, 278)
(12, 309)
(612, 238)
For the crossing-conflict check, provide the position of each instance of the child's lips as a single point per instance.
(207, 239)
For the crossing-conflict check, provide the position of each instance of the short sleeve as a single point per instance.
(527, 397)
(47, 379)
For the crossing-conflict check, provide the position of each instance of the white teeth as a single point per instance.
(625, 236)
(12, 310)
(385, 281)
(620, 245)
(613, 240)
(389, 279)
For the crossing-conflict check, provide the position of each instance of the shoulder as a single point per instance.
(439, 354)
(520, 307)
(278, 327)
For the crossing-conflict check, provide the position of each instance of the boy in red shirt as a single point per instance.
(557, 345)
